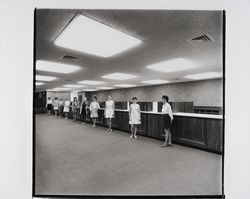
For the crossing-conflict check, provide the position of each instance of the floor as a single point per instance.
(73, 158)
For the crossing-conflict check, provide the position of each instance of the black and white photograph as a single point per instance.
(128, 102)
(124, 99)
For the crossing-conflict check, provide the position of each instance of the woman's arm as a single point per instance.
(170, 113)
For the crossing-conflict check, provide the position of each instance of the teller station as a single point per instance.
(199, 127)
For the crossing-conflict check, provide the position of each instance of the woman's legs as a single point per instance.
(135, 131)
(94, 121)
(132, 130)
(168, 138)
(109, 124)
(66, 115)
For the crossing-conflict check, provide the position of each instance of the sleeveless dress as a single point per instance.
(94, 106)
(135, 114)
(56, 105)
(109, 111)
(66, 106)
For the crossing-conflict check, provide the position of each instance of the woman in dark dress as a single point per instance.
(167, 117)
(83, 110)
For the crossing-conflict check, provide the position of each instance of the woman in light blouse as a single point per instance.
(167, 118)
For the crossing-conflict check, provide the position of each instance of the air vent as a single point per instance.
(69, 57)
(201, 40)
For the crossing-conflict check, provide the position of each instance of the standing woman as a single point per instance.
(74, 108)
(66, 108)
(94, 106)
(109, 112)
(83, 110)
(167, 118)
(49, 105)
(61, 103)
(134, 117)
(56, 106)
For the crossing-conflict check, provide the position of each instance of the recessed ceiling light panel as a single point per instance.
(104, 88)
(91, 82)
(119, 76)
(209, 75)
(55, 67)
(39, 83)
(90, 36)
(125, 85)
(89, 89)
(73, 86)
(155, 81)
(172, 65)
(44, 78)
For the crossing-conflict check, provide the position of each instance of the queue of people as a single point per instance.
(80, 109)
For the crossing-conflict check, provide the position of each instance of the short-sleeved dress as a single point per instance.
(135, 115)
(56, 105)
(66, 106)
(94, 106)
(167, 116)
(110, 109)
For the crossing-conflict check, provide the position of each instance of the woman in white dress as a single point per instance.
(109, 112)
(94, 107)
(167, 118)
(66, 108)
(134, 117)
(56, 106)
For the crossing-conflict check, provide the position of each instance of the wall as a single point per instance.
(202, 93)
(53, 94)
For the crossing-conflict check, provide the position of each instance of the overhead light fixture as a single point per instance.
(49, 66)
(155, 81)
(209, 75)
(62, 89)
(125, 85)
(172, 65)
(89, 89)
(73, 86)
(90, 82)
(119, 76)
(104, 88)
(39, 83)
(90, 36)
(44, 78)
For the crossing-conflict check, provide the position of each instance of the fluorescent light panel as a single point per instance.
(125, 85)
(73, 86)
(209, 75)
(44, 78)
(89, 36)
(155, 81)
(89, 89)
(39, 83)
(172, 65)
(55, 67)
(119, 76)
(90, 82)
(104, 88)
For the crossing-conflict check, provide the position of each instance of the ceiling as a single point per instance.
(164, 35)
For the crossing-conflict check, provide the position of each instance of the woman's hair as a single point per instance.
(56, 98)
(165, 97)
(94, 97)
(134, 98)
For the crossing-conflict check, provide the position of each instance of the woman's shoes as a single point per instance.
(135, 137)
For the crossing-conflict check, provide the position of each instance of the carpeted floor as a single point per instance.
(72, 158)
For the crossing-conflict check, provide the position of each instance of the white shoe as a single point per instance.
(93, 125)
(131, 136)
(110, 129)
(135, 137)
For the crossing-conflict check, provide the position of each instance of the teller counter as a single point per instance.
(202, 131)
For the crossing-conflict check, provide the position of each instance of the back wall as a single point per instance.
(202, 93)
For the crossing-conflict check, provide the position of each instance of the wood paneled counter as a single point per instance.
(202, 131)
